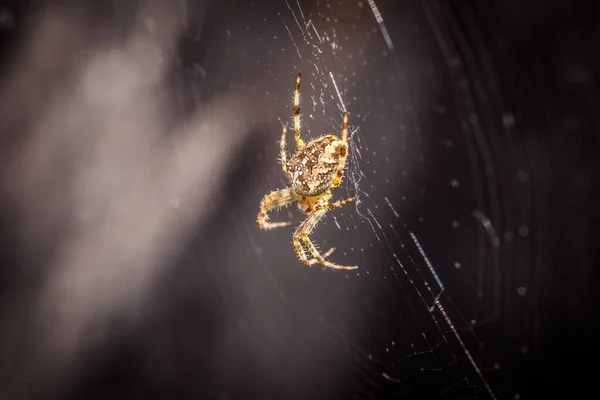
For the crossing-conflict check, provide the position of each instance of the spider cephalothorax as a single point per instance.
(313, 171)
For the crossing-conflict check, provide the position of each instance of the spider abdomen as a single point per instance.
(316, 165)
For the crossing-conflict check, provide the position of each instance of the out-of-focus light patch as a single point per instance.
(98, 157)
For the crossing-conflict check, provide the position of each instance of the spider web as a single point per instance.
(419, 341)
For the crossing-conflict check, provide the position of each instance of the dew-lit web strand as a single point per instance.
(304, 31)
(398, 313)
(316, 67)
(417, 270)
(391, 207)
(433, 273)
(296, 19)
(448, 321)
(412, 311)
(412, 282)
(290, 33)
(338, 92)
(396, 306)
(431, 351)
(315, 29)
(370, 223)
(442, 310)
(382, 28)
(414, 316)
(301, 12)
(467, 352)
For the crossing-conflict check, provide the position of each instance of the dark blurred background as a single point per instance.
(138, 138)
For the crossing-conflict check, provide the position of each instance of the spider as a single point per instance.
(314, 171)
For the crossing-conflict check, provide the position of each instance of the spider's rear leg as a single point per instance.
(325, 255)
(304, 231)
(273, 200)
(301, 250)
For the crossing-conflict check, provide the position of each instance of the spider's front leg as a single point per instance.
(283, 153)
(299, 141)
(274, 200)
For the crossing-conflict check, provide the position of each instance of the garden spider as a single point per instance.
(314, 171)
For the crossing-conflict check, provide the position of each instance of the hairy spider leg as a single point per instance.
(299, 142)
(324, 205)
(306, 205)
(345, 128)
(300, 249)
(344, 153)
(274, 200)
(303, 232)
(325, 255)
(283, 152)
(336, 204)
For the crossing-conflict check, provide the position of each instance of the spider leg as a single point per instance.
(301, 250)
(283, 152)
(336, 204)
(343, 152)
(304, 231)
(299, 142)
(277, 199)
(325, 255)
(345, 128)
